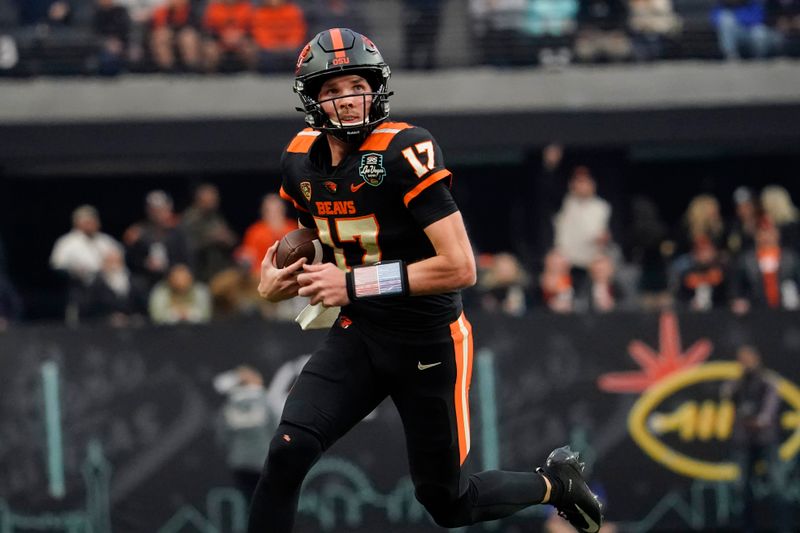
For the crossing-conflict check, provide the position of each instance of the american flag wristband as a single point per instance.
(380, 280)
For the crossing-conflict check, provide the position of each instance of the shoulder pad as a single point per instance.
(381, 136)
(302, 142)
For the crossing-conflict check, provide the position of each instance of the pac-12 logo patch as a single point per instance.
(305, 188)
(371, 169)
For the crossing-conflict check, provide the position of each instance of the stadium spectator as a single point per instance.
(649, 249)
(702, 282)
(702, 220)
(180, 299)
(601, 293)
(601, 31)
(503, 285)
(420, 33)
(175, 29)
(211, 239)
(156, 243)
(324, 14)
(273, 225)
(556, 291)
(551, 25)
(44, 12)
(741, 28)
(79, 255)
(742, 228)
(498, 29)
(245, 424)
(81, 252)
(779, 208)
(767, 276)
(140, 13)
(111, 297)
(784, 18)
(279, 32)
(653, 23)
(549, 186)
(756, 437)
(582, 224)
(112, 25)
(227, 24)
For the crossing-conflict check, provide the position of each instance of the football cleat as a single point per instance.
(575, 502)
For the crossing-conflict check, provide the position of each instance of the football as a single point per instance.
(303, 242)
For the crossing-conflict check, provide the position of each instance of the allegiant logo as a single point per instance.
(679, 420)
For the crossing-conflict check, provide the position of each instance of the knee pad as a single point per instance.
(292, 452)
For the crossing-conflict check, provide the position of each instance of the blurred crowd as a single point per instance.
(192, 267)
(170, 268)
(205, 36)
(739, 261)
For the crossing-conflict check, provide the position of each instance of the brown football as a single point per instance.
(303, 242)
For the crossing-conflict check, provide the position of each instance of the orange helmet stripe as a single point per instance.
(338, 44)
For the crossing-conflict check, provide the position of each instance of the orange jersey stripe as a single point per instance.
(303, 141)
(424, 184)
(381, 137)
(338, 44)
(288, 198)
(461, 333)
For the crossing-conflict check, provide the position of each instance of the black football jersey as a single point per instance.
(374, 206)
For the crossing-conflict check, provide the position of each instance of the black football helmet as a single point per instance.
(335, 52)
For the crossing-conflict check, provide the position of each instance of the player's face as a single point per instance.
(346, 99)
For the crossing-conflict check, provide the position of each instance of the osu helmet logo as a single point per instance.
(678, 420)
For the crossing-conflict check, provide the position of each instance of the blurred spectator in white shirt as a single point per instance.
(582, 224)
(81, 252)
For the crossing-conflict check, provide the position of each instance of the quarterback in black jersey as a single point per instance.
(378, 193)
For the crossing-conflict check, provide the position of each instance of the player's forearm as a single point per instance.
(441, 274)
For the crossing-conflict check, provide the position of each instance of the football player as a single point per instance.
(378, 193)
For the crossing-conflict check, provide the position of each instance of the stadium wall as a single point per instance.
(112, 430)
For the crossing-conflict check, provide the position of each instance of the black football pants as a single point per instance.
(429, 384)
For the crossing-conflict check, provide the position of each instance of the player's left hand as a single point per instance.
(324, 283)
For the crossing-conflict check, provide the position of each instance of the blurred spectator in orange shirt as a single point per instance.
(175, 28)
(556, 290)
(781, 211)
(273, 225)
(768, 275)
(226, 23)
(279, 31)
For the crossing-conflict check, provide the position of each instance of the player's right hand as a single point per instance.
(278, 284)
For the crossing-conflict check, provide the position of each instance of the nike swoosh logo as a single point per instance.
(426, 367)
(591, 525)
(354, 187)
